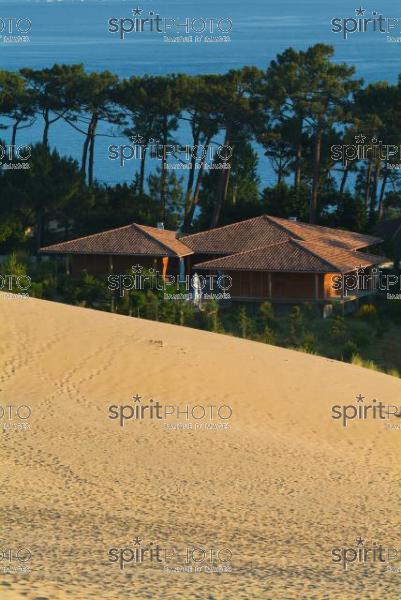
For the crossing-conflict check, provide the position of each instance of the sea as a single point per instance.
(239, 33)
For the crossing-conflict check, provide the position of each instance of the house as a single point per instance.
(116, 250)
(282, 260)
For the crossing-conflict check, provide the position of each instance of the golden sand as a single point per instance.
(280, 488)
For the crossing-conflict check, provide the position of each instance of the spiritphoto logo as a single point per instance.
(15, 418)
(364, 411)
(363, 553)
(14, 560)
(365, 22)
(14, 157)
(196, 286)
(173, 29)
(191, 558)
(204, 416)
(15, 30)
(16, 287)
(367, 150)
(368, 280)
(186, 157)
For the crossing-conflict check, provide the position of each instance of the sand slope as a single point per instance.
(280, 489)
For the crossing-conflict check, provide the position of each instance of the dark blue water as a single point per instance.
(70, 31)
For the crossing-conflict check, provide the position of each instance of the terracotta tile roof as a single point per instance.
(237, 237)
(265, 230)
(167, 238)
(294, 256)
(127, 240)
(344, 260)
(340, 237)
(253, 234)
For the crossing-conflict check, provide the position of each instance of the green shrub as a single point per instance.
(360, 362)
(296, 325)
(309, 344)
(367, 311)
(243, 321)
(338, 328)
(309, 311)
(269, 336)
(349, 350)
(266, 313)
(362, 337)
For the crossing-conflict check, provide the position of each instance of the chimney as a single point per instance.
(160, 225)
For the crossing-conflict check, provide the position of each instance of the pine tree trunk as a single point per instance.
(163, 191)
(14, 134)
(373, 198)
(368, 181)
(191, 176)
(190, 215)
(85, 155)
(142, 170)
(316, 173)
(382, 191)
(297, 180)
(344, 178)
(92, 151)
(224, 180)
(298, 159)
(45, 140)
(88, 139)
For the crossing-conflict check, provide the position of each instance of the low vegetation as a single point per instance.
(370, 337)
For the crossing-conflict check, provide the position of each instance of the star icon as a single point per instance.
(137, 11)
(137, 398)
(360, 398)
(137, 139)
(136, 268)
(137, 541)
(360, 139)
(359, 541)
(360, 11)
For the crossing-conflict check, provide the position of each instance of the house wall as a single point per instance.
(365, 283)
(306, 286)
(329, 290)
(276, 286)
(245, 284)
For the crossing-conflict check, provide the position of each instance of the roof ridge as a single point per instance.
(251, 250)
(332, 265)
(164, 246)
(223, 226)
(289, 241)
(288, 231)
(351, 251)
(156, 228)
(326, 228)
(90, 235)
(326, 243)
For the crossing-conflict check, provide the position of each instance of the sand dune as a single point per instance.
(275, 487)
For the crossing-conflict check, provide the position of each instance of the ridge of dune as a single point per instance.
(280, 487)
